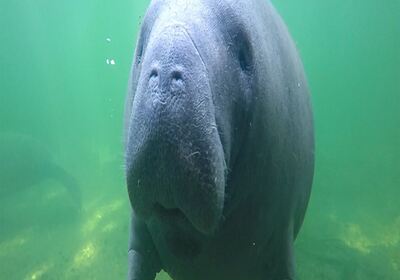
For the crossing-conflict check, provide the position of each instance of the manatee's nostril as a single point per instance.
(154, 73)
(177, 75)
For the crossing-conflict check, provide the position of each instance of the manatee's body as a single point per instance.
(219, 143)
(25, 162)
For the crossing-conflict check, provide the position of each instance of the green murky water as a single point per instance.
(63, 74)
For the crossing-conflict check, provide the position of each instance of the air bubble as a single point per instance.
(110, 61)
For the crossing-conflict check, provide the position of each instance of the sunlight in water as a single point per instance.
(12, 244)
(54, 194)
(39, 272)
(109, 227)
(92, 223)
(85, 255)
(355, 238)
(395, 265)
(391, 234)
(99, 214)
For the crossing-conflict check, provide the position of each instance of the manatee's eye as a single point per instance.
(245, 56)
(243, 60)
(244, 50)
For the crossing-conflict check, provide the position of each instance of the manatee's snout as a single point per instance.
(175, 160)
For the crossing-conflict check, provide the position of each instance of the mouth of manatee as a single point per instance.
(175, 161)
(182, 189)
(164, 212)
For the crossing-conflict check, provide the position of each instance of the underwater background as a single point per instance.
(64, 67)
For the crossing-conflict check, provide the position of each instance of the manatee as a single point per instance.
(219, 142)
(25, 162)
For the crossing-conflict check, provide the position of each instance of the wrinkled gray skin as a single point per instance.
(25, 162)
(219, 143)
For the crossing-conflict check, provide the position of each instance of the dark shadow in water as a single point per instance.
(35, 191)
(25, 163)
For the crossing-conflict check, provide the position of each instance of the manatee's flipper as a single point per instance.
(68, 181)
(143, 260)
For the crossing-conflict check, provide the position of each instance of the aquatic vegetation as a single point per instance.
(85, 255)
(354, 238)
(39, 272)
(349, 250)
(8, 246)
(98, 216)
